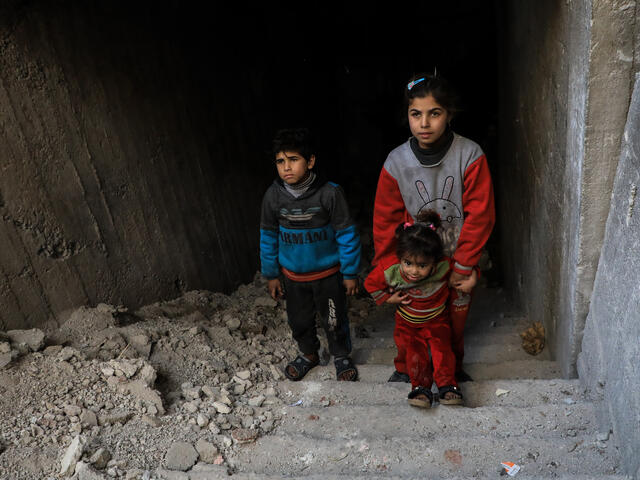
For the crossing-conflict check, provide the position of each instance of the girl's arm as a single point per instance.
(388, 212)
(377, 286)
(479, 216)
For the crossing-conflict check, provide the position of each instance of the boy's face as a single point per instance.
(293, 167)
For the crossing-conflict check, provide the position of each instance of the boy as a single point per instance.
(307, 234)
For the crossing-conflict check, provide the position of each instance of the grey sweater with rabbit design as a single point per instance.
(458, 188)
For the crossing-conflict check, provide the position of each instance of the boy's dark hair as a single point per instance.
(421, 238)
(294, 140)
(423, 84)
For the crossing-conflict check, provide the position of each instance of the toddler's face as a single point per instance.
(416, 268)
(293, 167)
(427, 120)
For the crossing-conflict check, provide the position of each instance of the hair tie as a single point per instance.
(431, 226)
(414, 83)
(407, 225)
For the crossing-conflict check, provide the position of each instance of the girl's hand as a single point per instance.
(399, 297)
(463, 283)
(275, 289)
(351, 284)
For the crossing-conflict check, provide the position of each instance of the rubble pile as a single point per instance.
(162, 392)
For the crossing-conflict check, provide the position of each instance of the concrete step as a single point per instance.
(408, 456)
(523, 369)
(339, 421)
(521, 393)
(490, 337)
(387, 476)
(473, 353)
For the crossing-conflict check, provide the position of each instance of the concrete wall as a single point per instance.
(119, 171)
(563, 126)
(608, 364)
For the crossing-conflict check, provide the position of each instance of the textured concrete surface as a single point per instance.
(608, 364)
(116, 182)
(568, 69)
(366, 429)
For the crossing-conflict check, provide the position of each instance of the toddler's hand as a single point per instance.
(275, 289)
(351, 284)
(464, 283)
(399, 297)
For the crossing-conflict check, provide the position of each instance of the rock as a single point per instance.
(191, 407)
(72, 455)
(146, 394)
(88, 419)
(602, 437)
(107, 371)
(202, 420)
(128, 369)
(232, 323)
(190, 392)
(265, 302)
(243, 375)
(221, 407)
(257, 401)
(204, 471)
(141, 344)
(208, 451)
(84, 471)
(67, 353)
(148, 375)
(5, 347)
(181, 456)
(210, 392)
(33, 338)
(244, 435)
(71, 410)
(162, 474)
(5, 359)
(114, 418)
(150, 420)
(100, 458)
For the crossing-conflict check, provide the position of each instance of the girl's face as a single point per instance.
(427, 120)
(416, 268)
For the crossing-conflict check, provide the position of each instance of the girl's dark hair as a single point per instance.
(435, 85)
(421, 238)
(294, 140)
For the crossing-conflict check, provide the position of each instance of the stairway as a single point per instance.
(366, 429)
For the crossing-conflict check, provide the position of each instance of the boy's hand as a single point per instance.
(463, 283)
(351, 284)
(399, 297)
(275, 289)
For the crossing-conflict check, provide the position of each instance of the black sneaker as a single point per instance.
(396, 376)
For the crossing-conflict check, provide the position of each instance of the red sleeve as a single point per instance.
(479, 216)
(388, 212)
(376, 285)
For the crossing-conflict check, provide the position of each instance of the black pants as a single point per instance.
(327, 297)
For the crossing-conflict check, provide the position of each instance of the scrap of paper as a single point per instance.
(511, 468)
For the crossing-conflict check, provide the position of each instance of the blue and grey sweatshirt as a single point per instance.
(309, 237)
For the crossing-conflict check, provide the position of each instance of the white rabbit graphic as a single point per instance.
(443, 206)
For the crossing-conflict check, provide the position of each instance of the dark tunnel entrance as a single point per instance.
(140, 133)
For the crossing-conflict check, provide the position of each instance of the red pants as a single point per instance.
(413, 343)
(458, 312)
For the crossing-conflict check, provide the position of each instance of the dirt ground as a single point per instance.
(171, 387)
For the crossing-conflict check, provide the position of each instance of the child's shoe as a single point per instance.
(416, 397)
(456, 398)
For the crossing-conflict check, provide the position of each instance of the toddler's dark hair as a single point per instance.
(435, 85)
(294, 140)
(421, 238)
